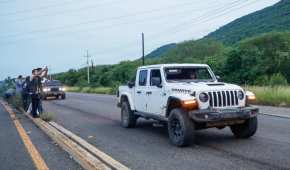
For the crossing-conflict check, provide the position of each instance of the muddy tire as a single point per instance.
(247, 129)
(128, 118)
(180, 128)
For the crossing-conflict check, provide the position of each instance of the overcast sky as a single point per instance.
(58, 33)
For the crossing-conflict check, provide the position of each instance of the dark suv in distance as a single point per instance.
(53, 88)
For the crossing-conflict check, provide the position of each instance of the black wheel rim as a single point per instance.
(176, 129)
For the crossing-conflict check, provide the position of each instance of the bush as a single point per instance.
(15, 101)
(277, 80)
(274, 96)
(97, 90)
(262, 81)
(47, 116)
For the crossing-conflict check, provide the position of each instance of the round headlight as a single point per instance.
(241, 95)
(203, 97)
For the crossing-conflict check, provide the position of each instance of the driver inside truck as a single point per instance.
(193, 75)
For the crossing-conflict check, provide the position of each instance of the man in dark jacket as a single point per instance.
(36, 89)
(25, 93)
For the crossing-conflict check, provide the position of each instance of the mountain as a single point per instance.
(273, 18)
(161, 50)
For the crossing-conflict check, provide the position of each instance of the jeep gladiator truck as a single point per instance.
(187, 97)
(53, 88)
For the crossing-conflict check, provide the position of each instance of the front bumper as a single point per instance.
(221, 115)
(51, 93)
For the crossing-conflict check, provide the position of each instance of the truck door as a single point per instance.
(155, 93)
(140, 91)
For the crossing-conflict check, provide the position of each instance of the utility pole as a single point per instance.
(92, 62)
(50, 72)
(88, 66)
(143, 54)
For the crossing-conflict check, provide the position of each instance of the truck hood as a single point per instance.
(202, 86)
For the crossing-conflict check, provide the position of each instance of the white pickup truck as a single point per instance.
(187, 97)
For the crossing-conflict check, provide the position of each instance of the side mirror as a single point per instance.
(131, 84)
(218, 78)
(156, 81)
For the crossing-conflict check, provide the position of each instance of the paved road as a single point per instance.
(14, 155)
(97, 119)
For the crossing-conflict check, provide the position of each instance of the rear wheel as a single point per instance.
(128, 118)
(247, 129)
(180, 128)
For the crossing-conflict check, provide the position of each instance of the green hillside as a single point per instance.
(274, 18)
(161, 50)
(257, 60)
(260, 56)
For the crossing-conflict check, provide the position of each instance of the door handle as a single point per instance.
(139, 92)
(149, 92)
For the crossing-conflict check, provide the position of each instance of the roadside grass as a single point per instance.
(273, 96)
(266, 95)
(47, 116)
(97, 90)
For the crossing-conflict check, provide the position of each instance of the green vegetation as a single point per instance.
(274, 96)
(274, 18)
(47, 116)
(161, 50)
(98, 90)
(6, 84)
(261, 60)
(253, 50)
(15, 101)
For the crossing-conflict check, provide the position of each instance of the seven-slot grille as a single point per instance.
(55, 89)
(223, 98)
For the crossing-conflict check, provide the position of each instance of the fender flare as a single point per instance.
(128, 98)
(170, 101)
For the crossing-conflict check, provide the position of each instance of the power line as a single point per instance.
(205, 15)
(64, 11)
(164, 31)
(228, 7)
(36, 9)
(219, 15)
(108, 26)
(94, 21)
(155, 35)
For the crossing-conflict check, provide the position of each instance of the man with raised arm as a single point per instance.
(36, 89)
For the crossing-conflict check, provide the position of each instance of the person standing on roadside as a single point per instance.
(19, 83)
(36, 89)
(25, 93)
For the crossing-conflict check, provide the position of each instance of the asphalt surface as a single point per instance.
(97, 119)
(13, 154)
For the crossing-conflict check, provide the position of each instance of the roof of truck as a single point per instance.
(173, 65)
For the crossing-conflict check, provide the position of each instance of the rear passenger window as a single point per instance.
(142, 78)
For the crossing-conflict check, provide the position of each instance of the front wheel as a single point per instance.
(180, 128)
(247, 129)
(128, 118)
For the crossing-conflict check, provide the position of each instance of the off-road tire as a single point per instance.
(128, 118)
(247, 129)
(63, 96)
(180, 128)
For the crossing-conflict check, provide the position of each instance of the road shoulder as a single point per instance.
(283, 112)
(13, 154)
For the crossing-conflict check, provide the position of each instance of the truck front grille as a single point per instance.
(223, 98)
(54, 89)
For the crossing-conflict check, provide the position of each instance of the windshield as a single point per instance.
(52, 83)
(188, 74)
